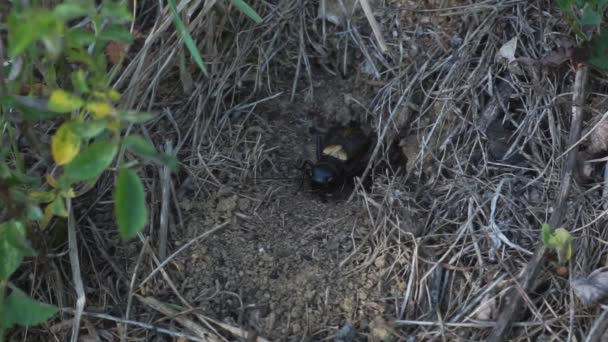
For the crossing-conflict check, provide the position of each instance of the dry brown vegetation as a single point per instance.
(426, 253)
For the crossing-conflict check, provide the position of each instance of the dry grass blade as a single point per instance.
(141, 325)
(76, 274)
(374, 24)
(200, 331)
(164, 211)
(598, 329)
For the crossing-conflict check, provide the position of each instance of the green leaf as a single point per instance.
(24, 311)
(116, 34)
(598, 50)
(58, 207)
(63, 102)
(559, 240)
(5, 172)
(136, 117)
(250, 12)
(18, 195)
(144, 149)
(53, 45)
(65, 144)
(183, 32)
(129, 204)
(19, 178)
(547, 233)
(79, 81)
(79, 36)
(32, 108)
(91, 162)
(563, 242)
(140, 146)
(68, 11)
(41, 196)
(591, 17)
(79, 55)
(10, 256)
(15, 235)
(89, 129)
(27, 27)
(34, 213)
(100, 109)
(565, 5)
(115, 11)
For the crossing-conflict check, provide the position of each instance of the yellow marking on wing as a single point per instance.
(336, 151)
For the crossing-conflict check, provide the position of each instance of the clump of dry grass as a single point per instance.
(480, 219)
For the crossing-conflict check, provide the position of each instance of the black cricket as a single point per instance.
(342, 154)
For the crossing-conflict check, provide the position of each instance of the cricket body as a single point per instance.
(341, 154)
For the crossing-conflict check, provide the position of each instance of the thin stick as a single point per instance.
(165, 180)
(123, 332)
(514, 299)
(138, 324)
(75, 263)
(479, 325)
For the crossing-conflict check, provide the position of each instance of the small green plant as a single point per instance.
(57, 66)
(585, 17)
(560, 241)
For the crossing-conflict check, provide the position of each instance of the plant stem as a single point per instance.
(2, 319)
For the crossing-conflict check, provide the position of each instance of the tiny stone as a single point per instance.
(295, 312)
(243, 204)
(224, 191)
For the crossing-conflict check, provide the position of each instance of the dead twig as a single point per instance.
(134, 323)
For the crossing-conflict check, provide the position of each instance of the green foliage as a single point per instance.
(131, 214)
(250, 12)
(66, 77)
(558, 240)
(11, 253)
(21, 310)
(185, 34)
(59, 73)
(585, 17)
(91, 162)
(144, 149)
